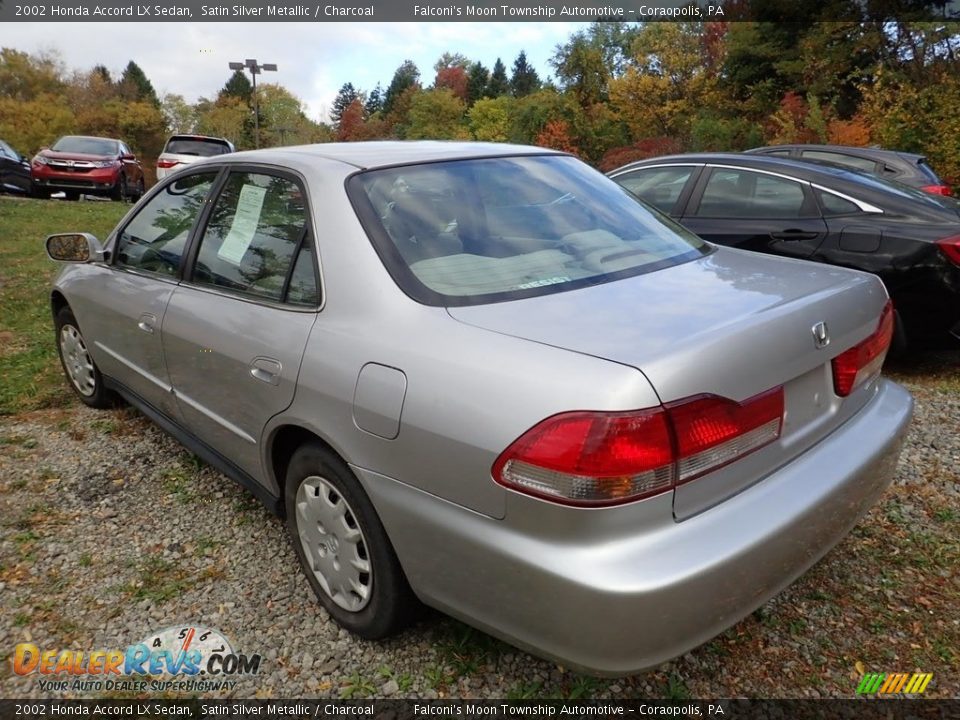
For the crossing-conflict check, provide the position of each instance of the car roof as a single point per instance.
(366, 155)
(751, 160)
(90, 137)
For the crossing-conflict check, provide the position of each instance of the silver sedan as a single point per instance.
(485, 378)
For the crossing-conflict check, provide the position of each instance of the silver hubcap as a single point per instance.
(77, 360)
(334, 544)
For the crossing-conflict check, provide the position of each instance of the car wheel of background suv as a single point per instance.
(342, 547)
(120, 191)
(78, 365)
(71, 194)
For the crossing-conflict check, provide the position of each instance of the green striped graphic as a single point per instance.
(871, 683)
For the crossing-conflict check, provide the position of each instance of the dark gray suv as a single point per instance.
(907, 168)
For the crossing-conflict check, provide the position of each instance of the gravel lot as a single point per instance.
(111, 531)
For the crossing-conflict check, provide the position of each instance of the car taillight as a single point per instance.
(863, 361)
(938, 190)
(602, 458)
(951, 248)
(167, 163)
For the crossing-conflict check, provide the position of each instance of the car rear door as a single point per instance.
(755, 210)
(235, 330)
(124, 315)
(666, 187)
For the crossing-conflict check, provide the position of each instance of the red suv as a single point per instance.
(90, 166)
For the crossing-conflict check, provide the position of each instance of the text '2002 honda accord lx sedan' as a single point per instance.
(486, 378)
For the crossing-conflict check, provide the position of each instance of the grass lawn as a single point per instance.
(28, 357)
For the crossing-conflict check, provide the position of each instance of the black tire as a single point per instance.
(898, 344)
(73, 195)
(95, 394)
(120, 191)
(141, 189)
(40, 193)
(390, 604)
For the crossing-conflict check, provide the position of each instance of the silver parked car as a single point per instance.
(486, 378)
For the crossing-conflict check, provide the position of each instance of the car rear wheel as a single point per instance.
(78, 365)
(342, 546)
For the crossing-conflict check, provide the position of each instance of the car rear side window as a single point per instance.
(485, 230)
(154, 240)
(661, 187)
(833, 205)
(731, 193)
(254, 238)
(201, 147)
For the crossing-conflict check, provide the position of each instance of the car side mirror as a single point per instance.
(75, 248)
(128, 156)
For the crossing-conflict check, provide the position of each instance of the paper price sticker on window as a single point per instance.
(244, 225)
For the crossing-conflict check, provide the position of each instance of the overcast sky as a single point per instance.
(314, 59)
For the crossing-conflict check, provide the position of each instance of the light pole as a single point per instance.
(255, 69)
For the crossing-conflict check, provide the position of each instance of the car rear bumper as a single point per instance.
(598, 593)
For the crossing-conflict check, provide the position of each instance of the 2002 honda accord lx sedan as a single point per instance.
(486, 378)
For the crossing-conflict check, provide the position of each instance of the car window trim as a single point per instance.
(863, 205)
(193, 244)
(113, 242)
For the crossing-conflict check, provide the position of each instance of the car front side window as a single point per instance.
(154, 240)
(254, 240)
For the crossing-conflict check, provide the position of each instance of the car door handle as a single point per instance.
(266, 370)
(147, 322)
(794, 235)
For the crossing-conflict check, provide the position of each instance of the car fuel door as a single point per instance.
(234, 332)
(757, 211)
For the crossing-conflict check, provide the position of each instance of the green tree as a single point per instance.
(498, 84)
(345, 97)
(238, 86)
(451, 60)
(587, 62)
(179, 114)
(135, 85)
(524, 79)
(228, 117)
(477, 78)
(283, 119)
(374, 102)
(405, 77)
(438, 115)
(25, 77)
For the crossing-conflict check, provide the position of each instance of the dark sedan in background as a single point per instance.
(909, 238)
(902, 167)
(14, 171)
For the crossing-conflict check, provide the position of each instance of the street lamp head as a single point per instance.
(269, 66)
(236, 66)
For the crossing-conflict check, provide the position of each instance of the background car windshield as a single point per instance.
(87, 146)
(486, 230)
(196, 146)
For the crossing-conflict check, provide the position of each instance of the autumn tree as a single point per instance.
(228, 117)
(490, 119)
(436, 115)
(453, 78)
(524, 79)
(556, 135)
(350, 123)
(283, 117)
(25, 77)
(178, 113)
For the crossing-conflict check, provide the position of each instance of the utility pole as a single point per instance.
(255, 69)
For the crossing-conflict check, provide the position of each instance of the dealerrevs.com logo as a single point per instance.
(181, 658)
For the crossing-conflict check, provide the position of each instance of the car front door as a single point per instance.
(125, 313)
(755, 210)
(234, 332)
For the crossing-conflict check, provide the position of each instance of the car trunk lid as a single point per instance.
(732, 324)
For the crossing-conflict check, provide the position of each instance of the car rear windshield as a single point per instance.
(203, 147)
(467, 232)
(86, 145)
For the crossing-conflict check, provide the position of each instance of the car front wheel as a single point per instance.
(78, 365)
(342, 546)
(120, 190)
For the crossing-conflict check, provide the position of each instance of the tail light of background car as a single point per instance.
(938, 190)
(166, 164)
(951, 248)
(603, 458)
(863, 361)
